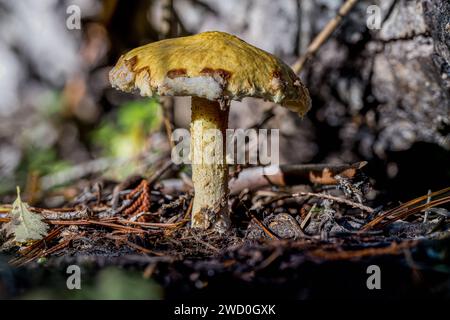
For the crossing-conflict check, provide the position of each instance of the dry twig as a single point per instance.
(336, 199)
(264, 228)
(323, 36)
(254, 178)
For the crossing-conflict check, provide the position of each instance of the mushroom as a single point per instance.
(213, 68)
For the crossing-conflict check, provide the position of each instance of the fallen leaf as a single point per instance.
(24, 225)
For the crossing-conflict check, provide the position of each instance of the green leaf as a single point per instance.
(25, 225)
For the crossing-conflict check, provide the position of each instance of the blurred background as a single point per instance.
(380, 95)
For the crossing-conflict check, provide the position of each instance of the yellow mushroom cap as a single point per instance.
(212, 65)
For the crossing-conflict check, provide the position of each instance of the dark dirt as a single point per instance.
(281, 246)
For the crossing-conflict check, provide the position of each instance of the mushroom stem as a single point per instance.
(209, 167)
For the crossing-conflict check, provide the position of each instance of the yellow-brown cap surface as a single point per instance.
(212, 65)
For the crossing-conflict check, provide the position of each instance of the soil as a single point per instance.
(281, 246)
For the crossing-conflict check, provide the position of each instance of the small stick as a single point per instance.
(5, 208)
(336, 199)
(150, 224)
(160, 172)
(168, 105)
(101, 223)
(308, 216)
(425, 218)
(282, 175)
(68, 215)
(186, 216)
(263, 227)
(323, 36)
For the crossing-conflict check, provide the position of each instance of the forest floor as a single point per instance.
(290, 242)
